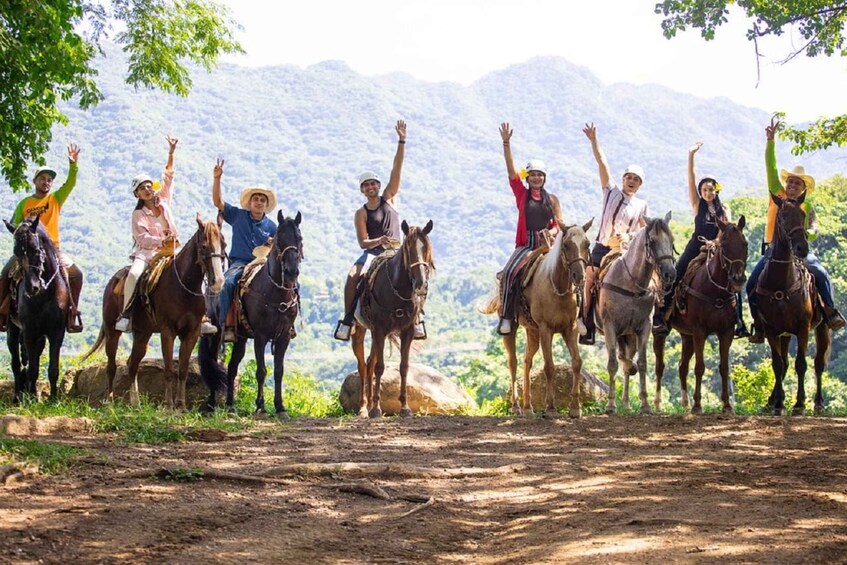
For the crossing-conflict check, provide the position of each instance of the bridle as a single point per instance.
(41, 255)
(204, 259)
(568, 263)
(279, 257)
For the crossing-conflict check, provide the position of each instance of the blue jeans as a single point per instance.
(231, 278)
(822, 281)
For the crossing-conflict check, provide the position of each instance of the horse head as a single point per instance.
(575, 251)
(211, 250)
(732, 246)
(417, 256)
(31, 247)
(659, 249)
(288, 248)
(791, 225)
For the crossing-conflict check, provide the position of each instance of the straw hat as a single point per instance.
(247, 193)
(800, 172)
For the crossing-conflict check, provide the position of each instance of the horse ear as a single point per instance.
(668, 217)
(34, 224)
(220, 219)
(279, 217)
(199, 220)
(777, 200)
(427, 228)
(10, 226)
(405, 227)
(587, 226)
(721, 223)
(802, 198)
(298, 218)
(741, 222)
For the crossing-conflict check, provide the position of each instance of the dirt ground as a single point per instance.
(459, 489)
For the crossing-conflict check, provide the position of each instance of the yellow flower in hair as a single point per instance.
(157, 186)
(717, 187)
(523, 174)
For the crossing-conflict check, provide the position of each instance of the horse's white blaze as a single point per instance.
(423, 267)
(217, 265)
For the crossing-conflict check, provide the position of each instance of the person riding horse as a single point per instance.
(791, 185)
(377, 229)
(153, 227)
(539, 214)
(623, 214)
(48, 207)
(708, 209)
(251, 228)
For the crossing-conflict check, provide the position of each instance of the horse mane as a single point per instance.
(44, 238)
(414, 235)
(548, 263)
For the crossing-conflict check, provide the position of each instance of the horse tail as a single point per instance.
(491, 304)
(101, 338)
(211, 370)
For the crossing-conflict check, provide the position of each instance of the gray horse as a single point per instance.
(625, 302)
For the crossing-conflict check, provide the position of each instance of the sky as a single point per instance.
(462, 40)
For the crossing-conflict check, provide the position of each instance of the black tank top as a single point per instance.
(538, 214)
(383, 221)
(705, 223)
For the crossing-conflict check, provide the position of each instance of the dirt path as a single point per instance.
(634, 489)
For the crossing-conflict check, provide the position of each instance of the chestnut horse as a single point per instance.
(174, 308)
(788, 305)
(389, 306)
(43, 299)
(270, 305)
(552, 307)
(708, 292)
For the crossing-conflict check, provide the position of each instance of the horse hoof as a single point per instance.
(696, 409)
(645, 411)
(777, 411)
(363, 412)
(516, 411)
(550, 413)
(406, 413)
(375, 413)
(798, 411)
(819, 409)
(574, 413)
(231, 410)
(283, 415)
(610, 410)
(728, 411)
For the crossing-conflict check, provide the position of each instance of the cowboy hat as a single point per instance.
(247, 193)
(800, 172)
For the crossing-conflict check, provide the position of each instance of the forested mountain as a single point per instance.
(308, 133)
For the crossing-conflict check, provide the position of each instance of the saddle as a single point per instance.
(250, 271)
(532, 263)
(683, 289)
(367, 304)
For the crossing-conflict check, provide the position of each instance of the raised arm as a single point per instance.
(394, 180)
(172, 141)
(506, 136)
(774, 184)
(216, 184)
(693, 196)
(64, 191)
(168, 174)
(590, 131)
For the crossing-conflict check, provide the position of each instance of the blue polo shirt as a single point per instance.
(247, 233)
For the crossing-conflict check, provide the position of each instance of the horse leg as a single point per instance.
(358, 342)
(623, 360)
(261, 373)
(279, 360)
(800, 369)
(235, 358)
(611, 365)
(684, 362)
(167, 339)
(532, 342)
(545, 336)
(53, 367)
(186, 347)
(405, 345)
(641, 363)
(779, 365)
(139, 349)
(823, 342)
(724, 342)
(13, 342)
(659, 354)
(699, 341)
(34, 349)
(378, 364)
(113, 337)
(572, 340)
(512, 361)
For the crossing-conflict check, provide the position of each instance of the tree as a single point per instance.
(820, 23)
(48, 47)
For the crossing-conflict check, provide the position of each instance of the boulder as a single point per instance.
(427, 391)
(15, 425)
(591, 389)
(42, 387)
(91, 383)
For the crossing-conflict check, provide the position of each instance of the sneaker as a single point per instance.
(292, 333)
(207, 328)
(122, 324)
(420, 331)
(229, 334)
(342, 331)
(836, 321)
(505, 327)
(588, 338)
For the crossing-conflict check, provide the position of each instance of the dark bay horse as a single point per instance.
(43, 299)
(709, 290)
(626, 299)
(390, 306)
(788, 305)
(552, 307)
(270, 305)
(174, 309)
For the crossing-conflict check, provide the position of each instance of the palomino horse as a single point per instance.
(392, 299)
(709, 290)
(43, 299)
(788, 305)
(270, 306)
(625, 300)
(552, 307)
(174, 308)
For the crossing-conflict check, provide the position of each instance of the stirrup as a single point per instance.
(588, 338)
(420, 331)
(342, 331)
(122, 325)
(229, 335)
(505, 327)
(207, 328)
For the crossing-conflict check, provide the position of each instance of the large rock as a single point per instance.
(427, 391)
(591, 389)
(91, 383)
(42, 388)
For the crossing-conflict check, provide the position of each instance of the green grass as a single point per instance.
(49, 457)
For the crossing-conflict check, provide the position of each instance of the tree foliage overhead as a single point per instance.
(48, 47)
(820, 23)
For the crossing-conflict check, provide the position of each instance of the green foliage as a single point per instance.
(50, 457)
(752, 388)
(46, 59)
(820, 23)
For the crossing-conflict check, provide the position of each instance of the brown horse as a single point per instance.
(389, 306)
(174, 308)
(552, 307)
(709, 290)
(788, 305)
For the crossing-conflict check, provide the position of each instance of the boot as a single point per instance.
(229, 325)
(758, 334)
(588, 322)
(740, 326)
(74, 320)
(344, 327)
(834, 319)
(660, 326)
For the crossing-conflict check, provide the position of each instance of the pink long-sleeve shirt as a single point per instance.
(147, 231)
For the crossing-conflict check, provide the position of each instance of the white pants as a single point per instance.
(135, 271)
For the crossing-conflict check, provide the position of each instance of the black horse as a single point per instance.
(270, 306)
(43, 299)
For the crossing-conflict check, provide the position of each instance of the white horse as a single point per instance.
(625, 302)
